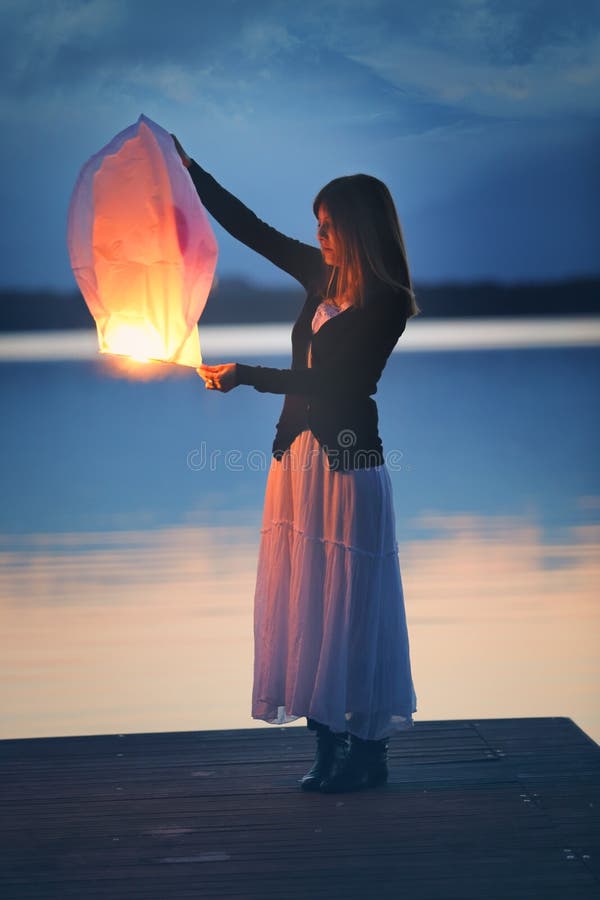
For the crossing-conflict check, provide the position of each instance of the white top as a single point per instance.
(324, 311)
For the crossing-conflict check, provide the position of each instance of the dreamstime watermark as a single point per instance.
(343, 457)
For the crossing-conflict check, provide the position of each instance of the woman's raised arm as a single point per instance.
(301, 261)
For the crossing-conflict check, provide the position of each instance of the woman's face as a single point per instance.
(326, 237)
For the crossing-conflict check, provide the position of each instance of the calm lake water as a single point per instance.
(129, 533)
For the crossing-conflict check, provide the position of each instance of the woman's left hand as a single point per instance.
(219, 378)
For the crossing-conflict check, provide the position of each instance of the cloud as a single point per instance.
(37, 37)
(550, 86)
(476, 56)
(429, 97)
(534, 59)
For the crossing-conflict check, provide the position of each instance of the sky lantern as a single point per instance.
(141, 247)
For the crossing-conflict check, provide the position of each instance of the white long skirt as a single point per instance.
(330, 635)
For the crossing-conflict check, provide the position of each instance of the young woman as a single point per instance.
(330, 635)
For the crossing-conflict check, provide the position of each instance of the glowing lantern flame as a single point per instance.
(141, 247)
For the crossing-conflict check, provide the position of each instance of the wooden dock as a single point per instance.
(492, 809)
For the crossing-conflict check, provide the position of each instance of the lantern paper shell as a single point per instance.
(141, 247)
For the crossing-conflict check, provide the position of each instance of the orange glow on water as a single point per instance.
(501, 624)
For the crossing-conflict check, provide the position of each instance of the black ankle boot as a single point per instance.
(328, 744)
(364, 766)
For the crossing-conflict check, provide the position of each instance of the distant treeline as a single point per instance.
(236, 301)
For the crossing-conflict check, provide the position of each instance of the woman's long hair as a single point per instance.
(368, 237)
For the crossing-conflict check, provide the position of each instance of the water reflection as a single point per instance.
(127, 574)
(152, 630)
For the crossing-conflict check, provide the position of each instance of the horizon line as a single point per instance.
(466, 333)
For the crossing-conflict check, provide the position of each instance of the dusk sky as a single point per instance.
(482, 117)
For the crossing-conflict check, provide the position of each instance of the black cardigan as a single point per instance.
(349, 351)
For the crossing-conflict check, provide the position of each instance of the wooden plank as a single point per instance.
(504, 808)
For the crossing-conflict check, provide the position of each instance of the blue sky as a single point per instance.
(482, 117)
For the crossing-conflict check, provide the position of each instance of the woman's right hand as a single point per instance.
(221, 378)
(185, 159)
